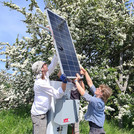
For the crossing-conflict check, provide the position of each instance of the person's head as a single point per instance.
(40, 67)
(103, 92)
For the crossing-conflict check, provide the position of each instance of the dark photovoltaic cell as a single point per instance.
(63, 43)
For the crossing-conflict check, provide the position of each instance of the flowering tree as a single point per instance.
(103, 34)
(5, 88)
(103, 31)
(23, 53)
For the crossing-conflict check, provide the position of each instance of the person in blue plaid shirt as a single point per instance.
(95, 113)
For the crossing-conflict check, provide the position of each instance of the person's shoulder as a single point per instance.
(94, 98)
(39, 81)
(92, 86)
(47, 74)
(101, 105)
(97, 100)
(98, 103)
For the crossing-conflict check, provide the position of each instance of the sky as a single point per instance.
(11, 23)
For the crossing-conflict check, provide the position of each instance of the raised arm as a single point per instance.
(88, 79)
(63, 83)
(53, 64)
(82, 84)
(79, 87)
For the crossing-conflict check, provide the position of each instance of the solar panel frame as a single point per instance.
(58, 45)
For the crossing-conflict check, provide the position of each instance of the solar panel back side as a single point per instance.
(64, 46)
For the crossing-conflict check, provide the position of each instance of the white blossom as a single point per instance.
(109, 108)
(14, 73)
(2, 86)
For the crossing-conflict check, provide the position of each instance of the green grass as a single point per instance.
(110, 127)
(18, 121)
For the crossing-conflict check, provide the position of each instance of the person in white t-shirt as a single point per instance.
(43, 92)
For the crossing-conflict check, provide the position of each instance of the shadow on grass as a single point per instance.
(21, 111)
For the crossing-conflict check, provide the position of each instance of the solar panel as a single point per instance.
(63, 44)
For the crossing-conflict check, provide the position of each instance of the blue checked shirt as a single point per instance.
(96, 106)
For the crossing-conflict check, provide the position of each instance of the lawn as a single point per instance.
(18, 121)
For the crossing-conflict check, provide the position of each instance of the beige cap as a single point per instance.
(36, 67)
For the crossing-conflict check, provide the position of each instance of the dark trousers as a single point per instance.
(94, 129)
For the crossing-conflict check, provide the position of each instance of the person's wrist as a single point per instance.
(65, 81)
(63, 78)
